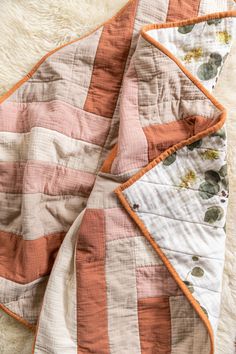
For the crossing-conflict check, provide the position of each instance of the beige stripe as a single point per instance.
(189, 334)
(36, 215)
(65, 75)
(145, 255)
(57, 330)
(50, 146)
(23, 300)
(122, 297)
(103, 195)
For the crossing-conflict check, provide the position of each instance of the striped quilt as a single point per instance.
(113, 185)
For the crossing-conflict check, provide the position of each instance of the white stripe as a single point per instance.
(50, 146)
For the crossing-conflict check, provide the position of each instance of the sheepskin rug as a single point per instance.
(29, 29)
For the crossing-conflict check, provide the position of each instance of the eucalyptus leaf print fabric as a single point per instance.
(114, 188)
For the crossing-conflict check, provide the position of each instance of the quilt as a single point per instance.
(113, 185)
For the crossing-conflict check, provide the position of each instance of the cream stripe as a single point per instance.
(103, 195)
(50, 146)
(122, 297)
(36, 215)
(57, 330)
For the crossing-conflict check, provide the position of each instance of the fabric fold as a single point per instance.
(113, 182)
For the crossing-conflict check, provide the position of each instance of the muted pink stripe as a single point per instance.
(132, 143)
(155, 281)
(38, 177)
(119, 224)
(55, 115)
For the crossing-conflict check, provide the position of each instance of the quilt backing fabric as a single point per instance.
(113, 185)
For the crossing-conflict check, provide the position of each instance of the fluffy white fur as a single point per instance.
(225, 92)
(29, 29)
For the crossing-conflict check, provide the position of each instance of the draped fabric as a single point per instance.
(113, 185)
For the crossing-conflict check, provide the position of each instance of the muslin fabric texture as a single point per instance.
(95, 280)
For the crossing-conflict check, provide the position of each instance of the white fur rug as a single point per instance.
(29, 29)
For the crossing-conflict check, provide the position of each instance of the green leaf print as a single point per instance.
(215, 59)
(185, 29)
(204, 310)
(208, 190)
(197, 272)
(221, 133)
(213, 214)
(189, 285)
(195, 258)
(170, 159)
(225, 183)
(207, 71)
(214, 21)
(194, 145)
(212, 177)
(223, 171)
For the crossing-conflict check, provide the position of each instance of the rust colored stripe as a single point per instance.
(110, 63)
(92, 325)
(155, 325)
(182, 9)
(161, 137)
(23, 261)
